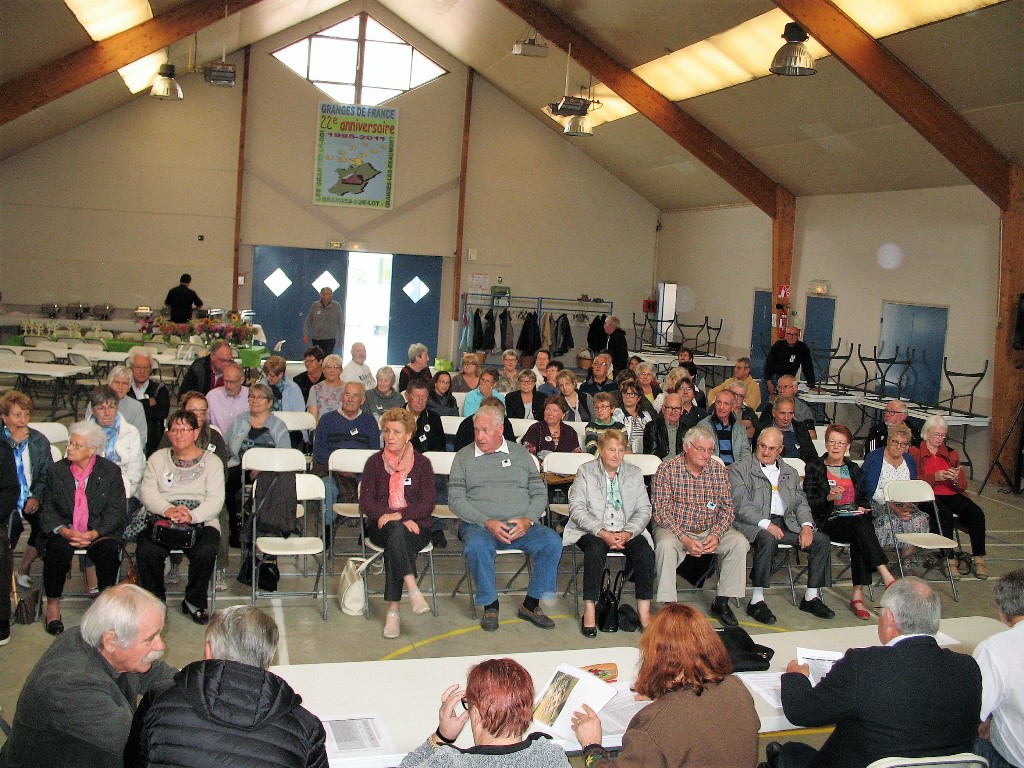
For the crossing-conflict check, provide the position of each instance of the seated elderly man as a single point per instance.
(741, 374)
(153, 396)
(663, 437)
(207, 373)
(357, 369)
(1001, 658)
(228, 708)
(796, 439)
(771, 509)
(730, 436)
(895, 413)
(495, 490)
(788, 387)
(600, 379)
(743, 412)
(429, 429)
(348, 427)
(120, 380)
(693, 516)
(227, 402)
(75, 709)
(907, 696)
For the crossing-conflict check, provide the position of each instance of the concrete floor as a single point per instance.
(305, 638)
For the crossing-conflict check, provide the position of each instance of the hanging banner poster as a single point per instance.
(355, 155)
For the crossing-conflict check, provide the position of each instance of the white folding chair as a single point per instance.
(351, 460)
(53, 431)
(460, 400)
(919, 492)
(55, 453)
(451, 424)
(519, 426)
(961, 760)
(296, 420)
(441, 462)
(308, 488)
(799, 465)
(648, 464)
(564, 464)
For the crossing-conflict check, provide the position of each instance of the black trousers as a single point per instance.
(105, 555)
(971, 519)
(233, 502)
(819, 558)
(866, 553)
(400, 547)
(202, 559)
(639, 556)
(6, 570)
(327, 345)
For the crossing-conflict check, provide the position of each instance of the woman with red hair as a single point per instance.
(498, 705)
(700, 715)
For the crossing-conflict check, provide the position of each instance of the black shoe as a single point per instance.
(817, 608)
(55, 627)
(536, 617)
(760, 612)
(438, 540)
(771, 753)
(587, 631)
(720, 610)
(5, 632)
(489, 621)
(199, 617)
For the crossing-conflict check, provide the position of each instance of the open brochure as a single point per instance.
(357, 735)
(820, 662)
(567, 690)
(620, 708)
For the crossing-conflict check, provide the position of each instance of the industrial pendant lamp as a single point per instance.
(165, 86)
(577, 126)
(793, 59)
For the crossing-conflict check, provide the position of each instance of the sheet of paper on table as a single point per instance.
(767, 685)
(621, 708)
(820, 662)
(568, 689)
(357, 734)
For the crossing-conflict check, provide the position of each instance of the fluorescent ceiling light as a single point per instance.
(742, 53)
(105, 18)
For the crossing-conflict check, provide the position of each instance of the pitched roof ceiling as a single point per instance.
(825, 134)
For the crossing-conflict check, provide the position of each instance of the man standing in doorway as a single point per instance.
(324, 326)
(182, 299)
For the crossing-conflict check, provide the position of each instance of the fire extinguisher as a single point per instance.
(783, 322)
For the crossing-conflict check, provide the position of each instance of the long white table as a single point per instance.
(58, 374)
(406, 693)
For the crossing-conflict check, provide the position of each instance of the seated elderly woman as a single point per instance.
(608, 512)
(325, 395)
(507, 376)
(881, 467)
(82, 506)
(649, 386)
(397, 499)
(604, 406)
(939, 466)
(384, 395)
(486, 388)
(525, 402)
(552, 435)
(635, 414)
(498, 701)
(581, 405)
(124, 444)
(120, 380)
(184, 484)
(841, 508)
(258, 428)
(287, 395)
(700, 714)
(468, 378)
(32, 460)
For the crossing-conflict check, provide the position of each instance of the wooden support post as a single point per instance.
(783, 229)
(239, 183)
(460, 225)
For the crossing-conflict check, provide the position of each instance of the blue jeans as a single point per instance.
(542, 544)
(984, 748)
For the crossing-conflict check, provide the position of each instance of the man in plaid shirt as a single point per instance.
(693, 514)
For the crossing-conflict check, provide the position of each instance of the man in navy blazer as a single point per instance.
(906, 698)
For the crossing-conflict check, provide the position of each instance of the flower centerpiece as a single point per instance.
(232, 329)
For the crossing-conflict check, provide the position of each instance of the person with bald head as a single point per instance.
(771, 509)
(154, 397)
(895, 413)
(357, 369)
(787, 386)
(663, 437)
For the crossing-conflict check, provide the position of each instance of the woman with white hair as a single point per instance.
(508, 380)
(83, 503)
(384, 395)
(120, 380)
(418, 367)
(939, 466)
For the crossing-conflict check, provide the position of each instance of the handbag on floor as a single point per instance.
(351, 594)
(27, 606)
(608, 602)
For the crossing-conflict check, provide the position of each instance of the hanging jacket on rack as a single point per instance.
(466, 337)
(596, 337)
(545, 333)
(478, 331)
(529, 337)
(563, 340)
(488, 340)
(507, 332)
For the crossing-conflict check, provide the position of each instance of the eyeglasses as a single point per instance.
(197, 410)
(332, 366)
(181, 431)
(254, 396)
(77, 446)
(836, 443)
(899, 443)
(672, 408)
(224, 360)
(105, 407)
(889, 412)
(764, 447)
(629, 393)
(941, 435)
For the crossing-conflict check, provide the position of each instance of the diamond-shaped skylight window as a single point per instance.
(416, 289)
(278, 282)
(326, 280)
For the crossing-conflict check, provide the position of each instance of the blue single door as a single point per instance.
(760, 332)
(818, 322)
(415, 304)
(923, 330)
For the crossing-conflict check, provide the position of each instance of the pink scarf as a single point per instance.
(80, 515)
(398, 467)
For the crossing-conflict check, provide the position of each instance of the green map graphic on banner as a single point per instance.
(355, 155)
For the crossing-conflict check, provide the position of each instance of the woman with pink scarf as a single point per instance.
(397, 499)
(84, 502)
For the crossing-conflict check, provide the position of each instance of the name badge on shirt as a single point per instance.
(712, 506)
(832, 483)
(168, 480)
(211, 448)
(354, 432)
(423, 438)
(407, 481)
(547, 438)
(506, 462)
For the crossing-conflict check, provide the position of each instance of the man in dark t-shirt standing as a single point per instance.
(182, 299)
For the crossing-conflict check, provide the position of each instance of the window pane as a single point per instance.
(376, 31)
(423, 70)
(343, 94)
(348, 28)
(332, 59)
(373, 96)
(295, 57)
(368, 305)
(386, 65)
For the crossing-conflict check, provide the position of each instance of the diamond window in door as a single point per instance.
(416, 289)
(278, 282)
(326, 280)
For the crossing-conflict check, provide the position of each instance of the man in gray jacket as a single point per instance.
(324, 327)
(771, 509)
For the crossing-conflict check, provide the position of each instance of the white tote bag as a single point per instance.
(351, 591)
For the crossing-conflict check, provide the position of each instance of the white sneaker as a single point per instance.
(221, 583)
(172, 574)
(24, 580)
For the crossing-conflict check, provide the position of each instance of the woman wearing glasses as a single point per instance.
(635, 414)
(842, 509)
(881, 467)
(940, 467)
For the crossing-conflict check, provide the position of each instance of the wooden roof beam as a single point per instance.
(704, 145)
(35, 89)
(901, 89)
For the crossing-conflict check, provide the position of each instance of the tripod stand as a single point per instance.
(1018, 462)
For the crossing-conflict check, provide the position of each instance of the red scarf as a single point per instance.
(398, 468)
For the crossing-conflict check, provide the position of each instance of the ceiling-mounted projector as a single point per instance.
(219, 73)
(570, 106)
(530, 47)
